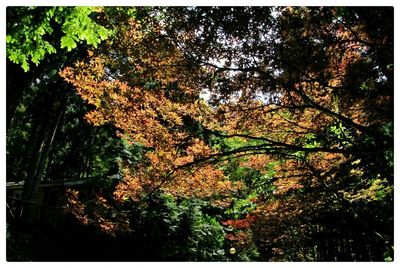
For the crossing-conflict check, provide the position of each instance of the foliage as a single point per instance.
(31, 37)
(191, 233)
(264, 129)
(148, 109)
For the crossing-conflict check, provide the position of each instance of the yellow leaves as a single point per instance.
(356, 172)
(377, 191)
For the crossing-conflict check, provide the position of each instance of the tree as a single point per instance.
(302, 97)
(150, 106)
(33, 32)
(39, 103)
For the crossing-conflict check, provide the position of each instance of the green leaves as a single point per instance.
(242, 207)
(67, 41)
(25, 39)
(78, 26)
(32, 32)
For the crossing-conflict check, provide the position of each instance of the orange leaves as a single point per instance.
(258, 162)
(286, 184)
(241, 223)
(204, 181)
(75, 206)
(183, 160)
(96, 212)
(145, 86)
(144, 114)
(153, 120)
(198, 149)
(238, 237)
(129, 188)
(165, 173)
(326, 161)
(106, 218)
(96, 118)
(241, 236)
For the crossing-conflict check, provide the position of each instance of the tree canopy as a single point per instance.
(279, 118)
(32, 32)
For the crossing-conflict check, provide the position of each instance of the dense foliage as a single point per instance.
(211, 133)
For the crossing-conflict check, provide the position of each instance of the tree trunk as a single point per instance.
(40, 157)
(17, 81)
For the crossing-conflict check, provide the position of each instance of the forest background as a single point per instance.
(229, 141)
